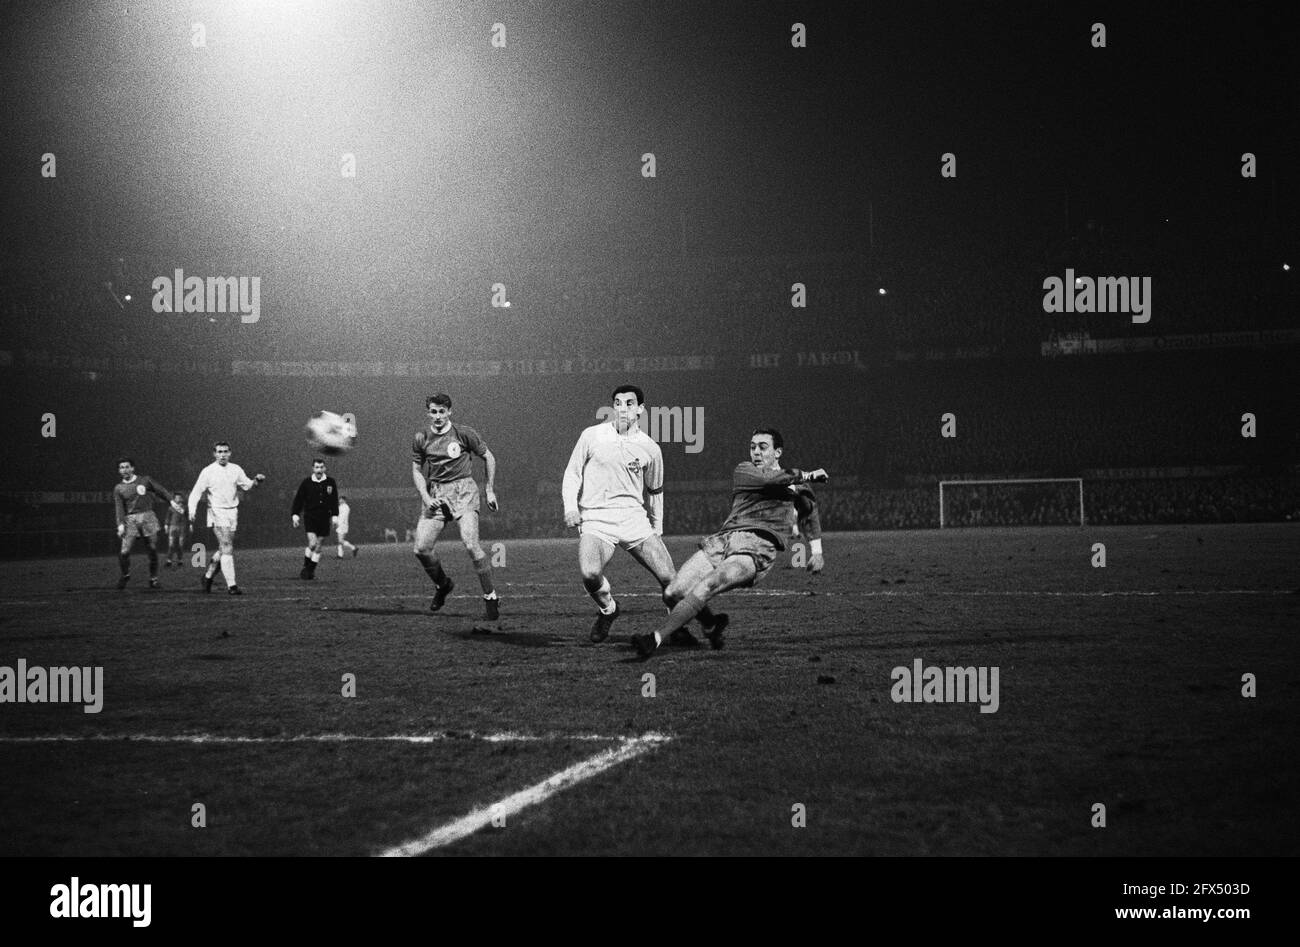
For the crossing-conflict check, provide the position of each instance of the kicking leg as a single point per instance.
(734, 572)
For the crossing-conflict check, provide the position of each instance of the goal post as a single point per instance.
(966, 502)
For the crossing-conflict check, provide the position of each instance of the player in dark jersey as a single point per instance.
(315, 508)
(743, 550)
(133, 501)
(443, 471)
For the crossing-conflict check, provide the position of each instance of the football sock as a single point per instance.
(432, 567)
(682, 613)
(153, 562)
(306, 561)
(603, 597)
(483, 566)
(124, 563)
(228, 569)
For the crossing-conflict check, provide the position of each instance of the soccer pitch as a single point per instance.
(1119, 685)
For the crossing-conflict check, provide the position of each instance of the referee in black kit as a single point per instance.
(315, 506)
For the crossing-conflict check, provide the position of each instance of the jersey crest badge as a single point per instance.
(453, 449)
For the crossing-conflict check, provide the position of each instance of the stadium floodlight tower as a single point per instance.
(1059, 496)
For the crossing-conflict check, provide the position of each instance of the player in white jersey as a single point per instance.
(222, 482)
(614, 467)
(341, 527)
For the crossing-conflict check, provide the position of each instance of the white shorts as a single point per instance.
(627, 528)
(225, 519)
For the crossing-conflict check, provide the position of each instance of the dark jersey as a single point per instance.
(134, 497)
(763, 501)
(317, 497)
(446, 457)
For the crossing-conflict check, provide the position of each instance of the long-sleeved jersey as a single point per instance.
(134, 496)
(765, 500)
(608, 470)
(317, 496)
(221, 484)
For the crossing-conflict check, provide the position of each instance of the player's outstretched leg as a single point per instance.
(654, 556)
(593, 555)
(482, 564)
(733, 572)
(426, 536)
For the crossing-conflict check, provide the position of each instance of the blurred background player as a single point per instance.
(177, 530)
(341, 527)
(315, 506)
(613, 493)
(222, 482)
(443, 472)
(136, 518)
(744, 549)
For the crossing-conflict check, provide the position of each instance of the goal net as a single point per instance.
(1033, 502)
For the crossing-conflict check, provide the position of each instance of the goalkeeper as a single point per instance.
(744, 549)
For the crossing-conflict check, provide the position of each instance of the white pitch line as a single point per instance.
(217, 739)
(539, 792)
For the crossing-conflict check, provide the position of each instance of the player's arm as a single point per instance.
(246, 483)
(490, 461)
(572, 484)
(654, 488)
(417, 475)
(119, 507)
(750, 479)
(158, 490)
(810, 525)
(200, 488)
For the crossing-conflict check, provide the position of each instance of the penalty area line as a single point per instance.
(539, 792)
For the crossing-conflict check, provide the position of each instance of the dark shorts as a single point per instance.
(141, 524)
(318, 523)
(759, 547)
(452, 500)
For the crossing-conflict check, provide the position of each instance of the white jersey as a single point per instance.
(612, 471)
(221, 484)
(341, 526)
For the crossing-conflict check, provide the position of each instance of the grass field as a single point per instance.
(1119, 685)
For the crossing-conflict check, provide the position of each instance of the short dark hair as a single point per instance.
(439, 398)
(318, 460)
(777, 439)
(126, 460)
(629, 390)
(342, 498)
(225, 444)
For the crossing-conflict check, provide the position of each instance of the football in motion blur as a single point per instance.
(331, 433)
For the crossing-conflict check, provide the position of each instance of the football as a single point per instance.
(331, 433)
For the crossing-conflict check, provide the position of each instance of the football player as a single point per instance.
(744, 549)
(136, 517)
(613, 494)
(223, 483)
(443, 472)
